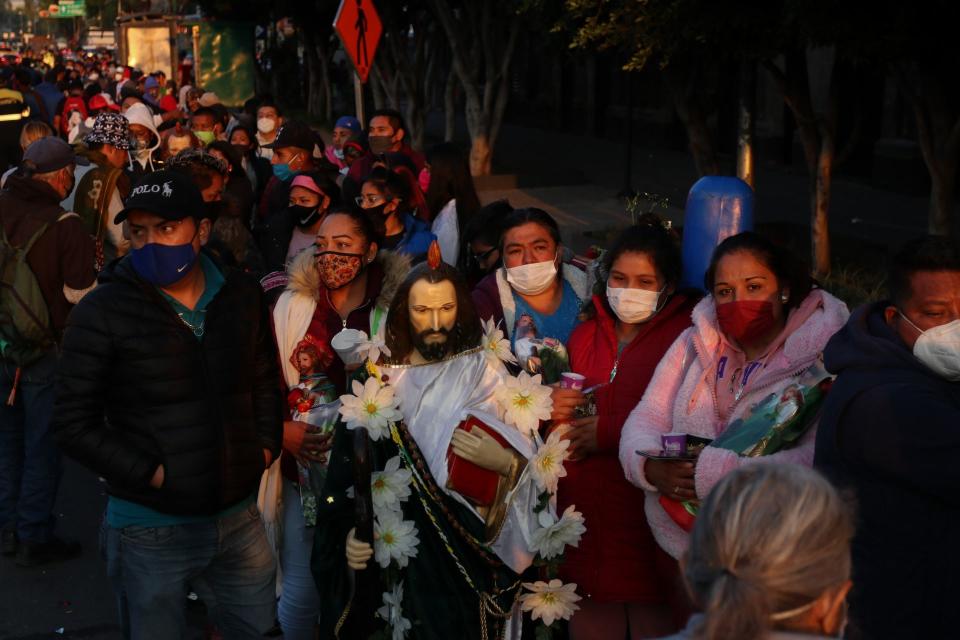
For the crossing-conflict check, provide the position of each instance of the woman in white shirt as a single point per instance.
(451, 198)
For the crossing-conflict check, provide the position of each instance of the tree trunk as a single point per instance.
(938, 132)
(590, 116)
(376, 83)
(450, 106)
(819, 222)
(694, 122)
(818, 137)
(483, 69)
(745, 126)
(327, 88)
(313, 85)
(417, 121)
(942, 209)
(481, 155)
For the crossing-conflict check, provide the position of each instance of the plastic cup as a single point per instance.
(569, 380)
(346, 344)
(674, 444)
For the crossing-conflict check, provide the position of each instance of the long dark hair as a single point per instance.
(450, 179)
(399, 333)
(650, 237)
(362, 223)
(789, 269)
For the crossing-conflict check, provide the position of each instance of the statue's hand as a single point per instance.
(358, 552)
(480, 448)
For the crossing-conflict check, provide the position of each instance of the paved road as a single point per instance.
(74, 596)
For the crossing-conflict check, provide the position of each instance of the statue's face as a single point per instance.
(433, 315)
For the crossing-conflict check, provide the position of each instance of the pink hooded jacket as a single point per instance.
(681, 398)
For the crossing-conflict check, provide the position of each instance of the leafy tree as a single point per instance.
(408, 61)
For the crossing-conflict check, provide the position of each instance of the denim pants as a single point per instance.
(228, 563)
(299, 605)
(30, 465)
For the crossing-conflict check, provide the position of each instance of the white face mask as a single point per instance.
(532, 279)
(633, 305)
(939, 348)
(266, 125)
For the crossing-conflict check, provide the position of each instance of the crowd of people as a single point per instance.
(178, 278)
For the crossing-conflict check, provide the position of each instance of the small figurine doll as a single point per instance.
(314, 401)
(314, 388)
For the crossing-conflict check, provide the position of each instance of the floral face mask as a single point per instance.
(338, 269)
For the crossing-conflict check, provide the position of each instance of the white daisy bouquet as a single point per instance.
(524, 401)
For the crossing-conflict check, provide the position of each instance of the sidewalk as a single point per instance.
(863, 216)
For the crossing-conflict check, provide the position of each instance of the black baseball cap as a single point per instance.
(293, 133)
(168, 194)
(50, 154)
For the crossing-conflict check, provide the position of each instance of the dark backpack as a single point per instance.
(25, 331)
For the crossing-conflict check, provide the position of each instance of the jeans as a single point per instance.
(30, 465)
(228, 563)
(299, 605)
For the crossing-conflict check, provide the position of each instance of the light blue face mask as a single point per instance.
(283, 170)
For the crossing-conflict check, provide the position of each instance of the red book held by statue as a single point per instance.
(475, 483)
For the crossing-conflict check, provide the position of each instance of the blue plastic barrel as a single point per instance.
(717, 207)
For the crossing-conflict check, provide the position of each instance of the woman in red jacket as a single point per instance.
(625, 579)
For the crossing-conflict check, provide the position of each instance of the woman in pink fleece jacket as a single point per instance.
(762, 328)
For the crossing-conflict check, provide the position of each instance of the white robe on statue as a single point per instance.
(434, 399)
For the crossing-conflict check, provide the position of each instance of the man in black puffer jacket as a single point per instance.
(169, 390)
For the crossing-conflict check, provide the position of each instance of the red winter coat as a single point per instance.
(616, 557)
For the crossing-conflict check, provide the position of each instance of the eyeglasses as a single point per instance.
(371, 199)
(480, 257)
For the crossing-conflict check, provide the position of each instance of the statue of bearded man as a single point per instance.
(470, 503)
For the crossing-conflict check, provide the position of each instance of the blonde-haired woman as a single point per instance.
(769, 557)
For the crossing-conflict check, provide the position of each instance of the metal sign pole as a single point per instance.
(358, 96)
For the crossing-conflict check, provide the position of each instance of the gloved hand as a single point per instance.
(358, 552)
(480, 448)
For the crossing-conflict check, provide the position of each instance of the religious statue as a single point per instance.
(461, 483)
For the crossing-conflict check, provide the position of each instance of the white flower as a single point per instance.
(372, 348)
(394, 539)
(525, 402)
(547, 465)
(554, 535)
(371, 406)
(390, 487)
(392, 612)
(496, 348)
(550, 602)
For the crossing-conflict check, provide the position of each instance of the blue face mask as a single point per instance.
(161, 265)
(283, 170)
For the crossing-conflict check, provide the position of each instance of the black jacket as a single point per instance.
(204, 409)
(890, 434)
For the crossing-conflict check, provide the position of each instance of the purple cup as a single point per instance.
(569, 380)
(674, 444)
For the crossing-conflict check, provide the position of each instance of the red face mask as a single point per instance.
(745, 320)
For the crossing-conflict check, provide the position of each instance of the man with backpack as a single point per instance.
(46, 266)
(101, 191)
